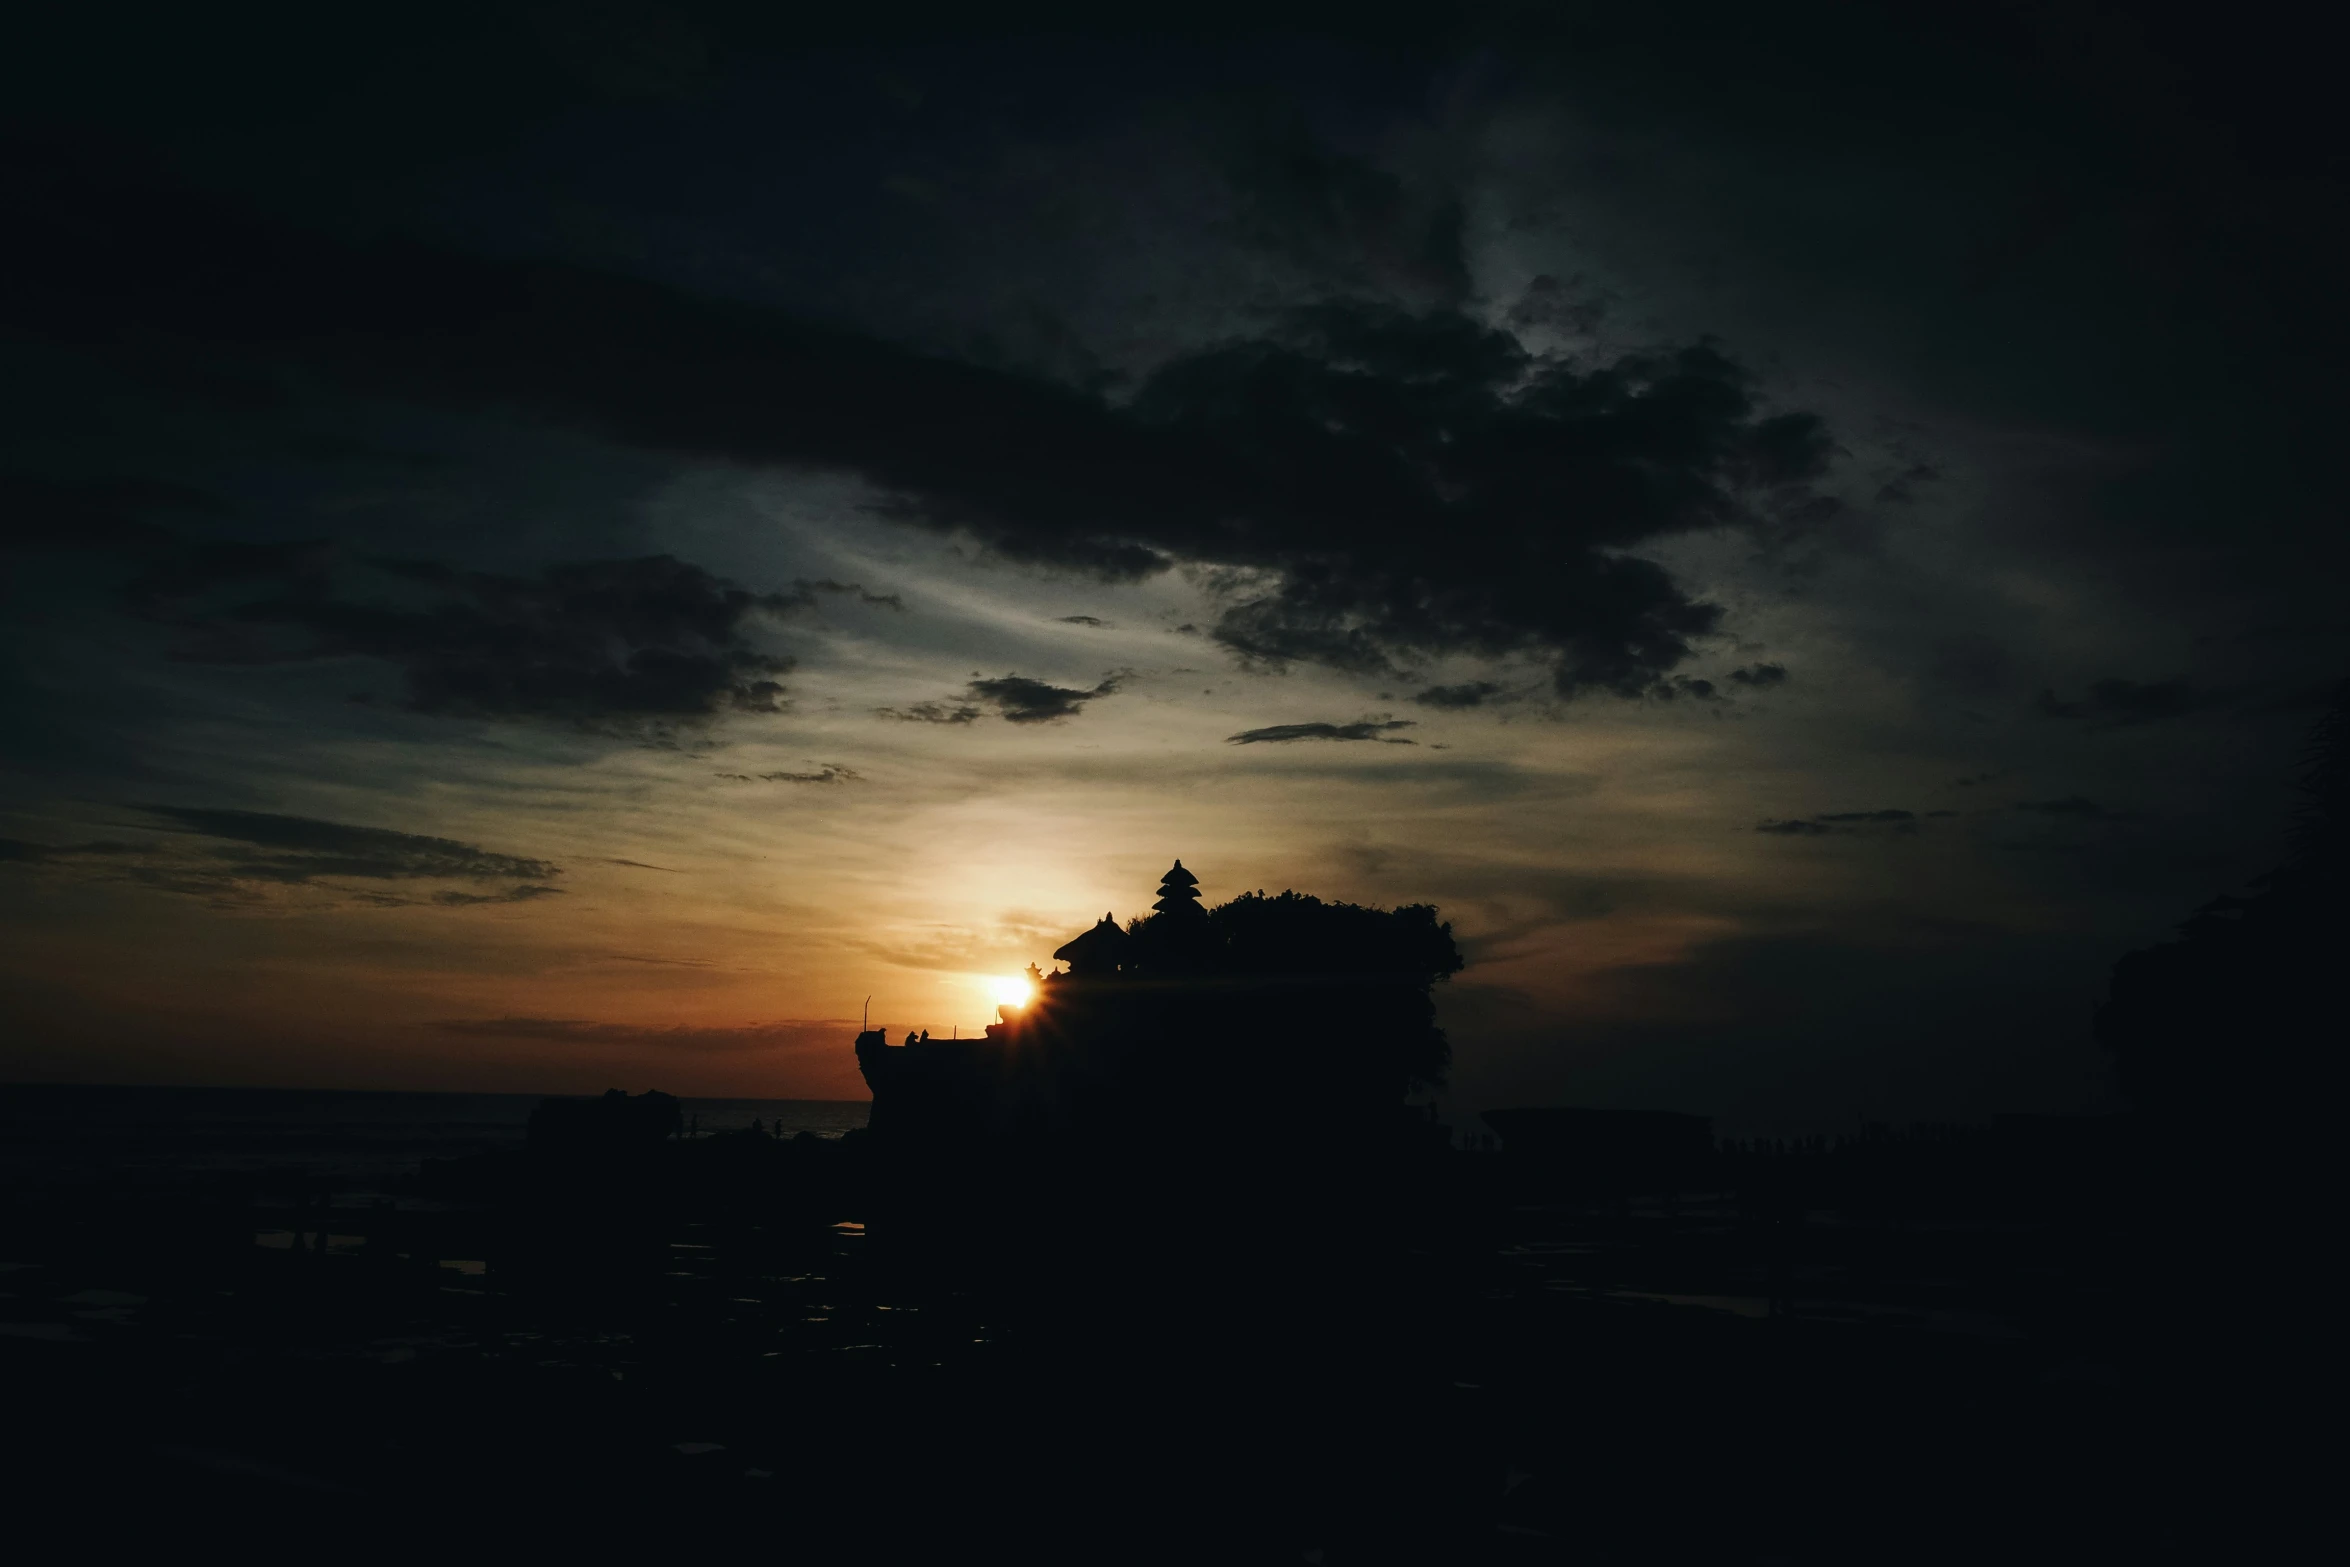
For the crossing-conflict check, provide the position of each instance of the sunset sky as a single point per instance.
(554, 547)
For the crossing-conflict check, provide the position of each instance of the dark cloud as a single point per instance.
(931, 713)
(1454, 698)
(1550, 303)
(804, 591)
(1827, 822)
(2118, 701)
(2072, 807)
(459, 900)
(1362, 729)
(2071, 824)
(1015, 698)
(1760, 677)
(1374, 485)
(825, 773)
(1344, 221)
(1674, 687)
(312, 847)
(1085, 620)
(1422, 485)
(245, 853)
(780, 1036)
(1901, 487)
(587, 641)
(1024, 701)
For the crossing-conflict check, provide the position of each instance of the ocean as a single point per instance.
(53, 1132)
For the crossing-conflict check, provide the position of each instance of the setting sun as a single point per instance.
(1011, 992)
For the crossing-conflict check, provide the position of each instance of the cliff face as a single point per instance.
(937, 1091)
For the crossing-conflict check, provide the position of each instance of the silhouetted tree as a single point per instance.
(2243, 1013)
(1290, 967)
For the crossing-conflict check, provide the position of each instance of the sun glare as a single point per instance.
(1013, 992)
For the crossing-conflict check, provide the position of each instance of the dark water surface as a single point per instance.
(355, 1139)
(239, 1314)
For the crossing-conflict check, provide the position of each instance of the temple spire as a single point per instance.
(1179, 894)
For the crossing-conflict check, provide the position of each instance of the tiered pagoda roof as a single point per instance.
(1179, 893)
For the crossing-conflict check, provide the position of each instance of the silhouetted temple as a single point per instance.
(1319, 1012)
(1097, 952)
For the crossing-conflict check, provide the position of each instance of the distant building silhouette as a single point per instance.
(619, 1123)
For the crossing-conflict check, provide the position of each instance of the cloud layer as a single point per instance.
(244, 856)
(1361, 729)
(1364, 485)
(1891, 818)
(650, 638)
(1018, 699)
(790, 1036)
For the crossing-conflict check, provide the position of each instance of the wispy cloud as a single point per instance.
(1378, 729)
(1017, 699)
(243, 859)
(2073, 807)
(1475, 693)
(1890, 818)
(824, 773)
(593, 642)
(790, 1035)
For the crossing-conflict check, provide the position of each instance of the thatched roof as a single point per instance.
(1101, 947)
